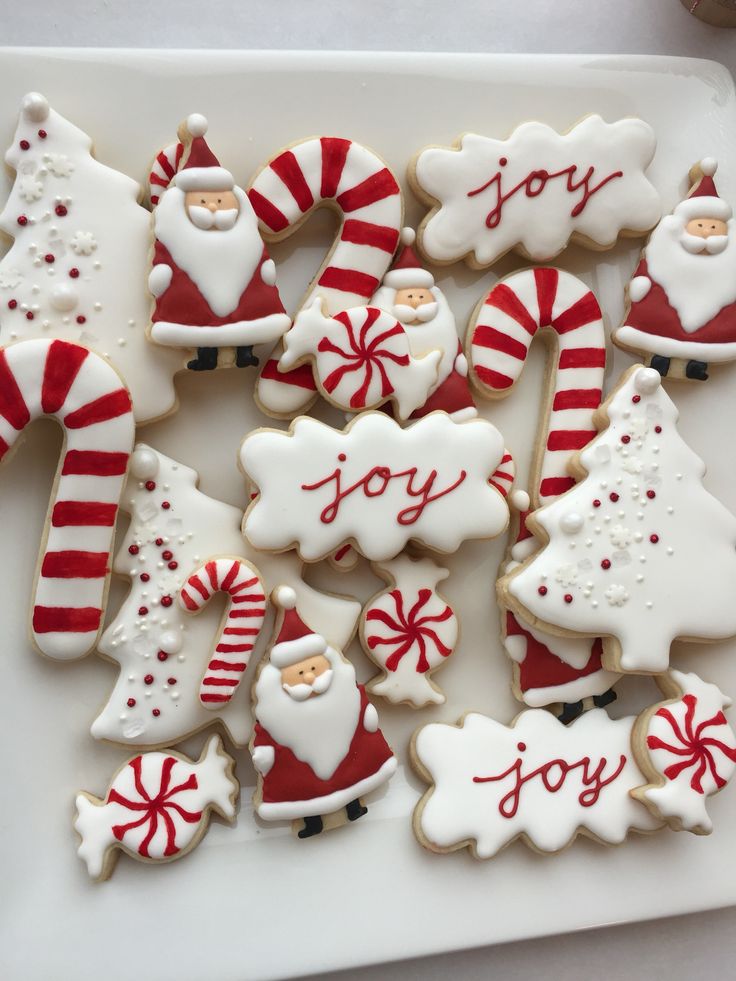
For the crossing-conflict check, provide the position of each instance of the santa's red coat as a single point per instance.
(451, 395)
(291, 789)
(653, 325)
(183, 316)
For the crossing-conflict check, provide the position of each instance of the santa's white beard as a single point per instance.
(437, 334)
(319, 730)
(220, 262)
(698, 286)
(300, 693)
(223, 218)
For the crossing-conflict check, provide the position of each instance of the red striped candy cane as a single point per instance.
(352, 180)
(89, 400)
(164, 166)
(240, 625)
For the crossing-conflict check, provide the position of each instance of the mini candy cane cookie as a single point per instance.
(686, 749)
(561, 310)
(409, 630)
(157, 808)
(536, 191)
(241, 623)
(536, 779)
(352, 180)
(90, 402)
(624, 548)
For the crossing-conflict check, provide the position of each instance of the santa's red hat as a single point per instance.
(202, 170)
(703, 200)
(407, 270)
(295, 640)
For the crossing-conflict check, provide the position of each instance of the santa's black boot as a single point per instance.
(206, 359)
(697, 370)
(570, 712)
(660, 364)
(355, 810)
(600, 701)
(244, 357)
(312, 826)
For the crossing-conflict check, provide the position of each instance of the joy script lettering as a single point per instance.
(553, 776)
(374, 484)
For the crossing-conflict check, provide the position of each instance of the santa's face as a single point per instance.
(414, 305)
(705, 235)
(307, 679)
(212, 210)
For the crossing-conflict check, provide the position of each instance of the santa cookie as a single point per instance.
(212, 279)
(316, 744)
(682, 299)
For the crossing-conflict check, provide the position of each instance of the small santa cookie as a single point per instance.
(409, 630)
(316, 744)
(535, 191)
(681, 312)
(156, 809)
(624, 549)
(536, 779)
(687, 751)
(211, 276)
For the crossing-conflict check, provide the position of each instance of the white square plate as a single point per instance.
(252, 902)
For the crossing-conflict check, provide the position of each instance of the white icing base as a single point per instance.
(670, 347)
(242, 332)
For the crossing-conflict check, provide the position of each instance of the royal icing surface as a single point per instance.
(691, 748)
(352, 180)
(620, 542)
(162, 651)
(373, 484)
(156, 809)
(536, 189)
(77, 267)
(361, 358)
(89, 400)
(537, 779)
(409, 630)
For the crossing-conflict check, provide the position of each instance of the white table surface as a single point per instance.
(683, 948)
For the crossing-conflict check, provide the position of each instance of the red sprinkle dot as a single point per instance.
(150, 485)
(636, 399)
(156, 713)
(542, 590)
(654, 539)
(613, 496)
(148, 679)
(166, 601)
(606, 564)
(162, 656)
(133, 549)
(145, 577)
(165, 505)
(142, 611)
(596, 503)
(173, 565)
(61, 210)
(159, 542)
(74, 272)
(22, 220)
(42, 134)
(171, 681)
(81, 319)
(651, 495)
(12, 304)
(568, 597)
(503, 161)
(658, 429)
(166, 555)
(626, 439)
(131, 703)
(25, 145)
(341, 457)
(29, 315)
(49, 258)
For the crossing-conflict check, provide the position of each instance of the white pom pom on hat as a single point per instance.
(709, 165)
(408, 236)
(197, 124)
(35, 107)
(284, 597)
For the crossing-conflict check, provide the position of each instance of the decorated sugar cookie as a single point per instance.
(409, 630)
(353, 181)
(563, 311)
(536, 191)
(373, 485)
(316, 745)
(90, 402)
(687, 749)
(182, 658)
(77, 266)
(213, 281)
(536, 779)
(681, 311)
(156, 809)
(624, 549)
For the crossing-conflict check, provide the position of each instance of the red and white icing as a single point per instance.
(352, 180)
(92, 405)
(157, 807)
(361, 358)
(164, 167)
(76, 269)
(550, 668)
(537, 189)
(246, 610)
(374, 485)
(683, 293)
(409, 630)
(622, 541)
(536, 779)
(163, 652)
(692, 748)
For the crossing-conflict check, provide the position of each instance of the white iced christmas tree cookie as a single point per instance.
(77, 267)
(165, 654)
(626, 547)
(686, 749)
